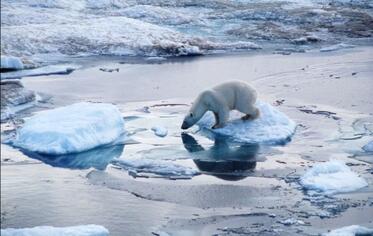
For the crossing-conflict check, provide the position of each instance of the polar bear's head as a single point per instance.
(189, 120)
(197, 110)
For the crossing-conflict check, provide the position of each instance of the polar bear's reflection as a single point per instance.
(223, 160)
(97, 158)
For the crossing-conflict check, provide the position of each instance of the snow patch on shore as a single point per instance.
(331, 177)
(272, 126)
(81, 230)
(351, 230)
(71, 129)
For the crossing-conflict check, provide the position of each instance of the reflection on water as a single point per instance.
(224, 160)
(97, 158)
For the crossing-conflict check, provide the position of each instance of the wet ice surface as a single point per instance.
(240, 188)
(164, 28)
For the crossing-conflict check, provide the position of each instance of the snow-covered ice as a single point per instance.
(80, 230)
(272, 126)
(368, 147)
(330, 178)
(11, 63)
(171, 28)
(351, 230)
(71, 129)
(158, 167)
(159, 131)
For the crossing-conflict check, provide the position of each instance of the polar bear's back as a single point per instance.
(237, 94)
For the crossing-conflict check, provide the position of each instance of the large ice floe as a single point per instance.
(71, 129)
(330, 178)
(80, 230)
(272, 126)
(351, 230)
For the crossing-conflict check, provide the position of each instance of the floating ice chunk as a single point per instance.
(330, 178)
(351, 230)
(158, 167)
(11, 63)
(160, 131)
(272, 126)
(156, 59)
(80, 230)
(46, 70)
(336, 47)
(368, 147)
(291, 221)
(71, 129)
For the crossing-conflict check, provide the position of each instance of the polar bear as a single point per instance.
(221, 99)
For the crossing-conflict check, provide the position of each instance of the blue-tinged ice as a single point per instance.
(330, 178)
(272, 126)
(368, 147)
(71, 129)
(351, 230)
(11, 63)
(80, 230)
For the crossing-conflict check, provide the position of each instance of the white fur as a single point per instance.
(221, 99)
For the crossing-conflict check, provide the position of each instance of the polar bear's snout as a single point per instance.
(188, 121)
(185, 125)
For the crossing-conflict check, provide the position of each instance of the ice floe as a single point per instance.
(368, 147)
(46, 70)
(11, 63)
(71, 129)
(160, 131)
(272, 126)
(351, 230)
(80, 230)
(167, 169)
(330, 178)
(336, 47)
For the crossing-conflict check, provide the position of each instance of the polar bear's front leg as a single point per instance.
(221, 118)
